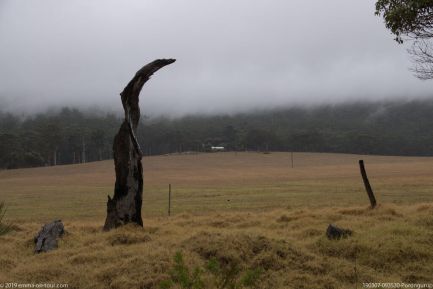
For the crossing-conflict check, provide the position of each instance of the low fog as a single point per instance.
(231, 55)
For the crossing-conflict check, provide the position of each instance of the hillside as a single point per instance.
(69, 136)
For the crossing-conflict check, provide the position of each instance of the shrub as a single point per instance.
(4, 229)
(180, 274)
(229, 276)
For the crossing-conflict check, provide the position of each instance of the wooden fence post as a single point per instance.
(169, 199)
(367, 184)
(291, 155)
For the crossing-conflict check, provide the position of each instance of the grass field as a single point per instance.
(251, 209)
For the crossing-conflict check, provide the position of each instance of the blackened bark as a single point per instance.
(367, 184)
(125, 206)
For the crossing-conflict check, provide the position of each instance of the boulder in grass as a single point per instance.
(46, 239)
(335, 233)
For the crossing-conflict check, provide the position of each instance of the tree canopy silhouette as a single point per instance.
(413, 21)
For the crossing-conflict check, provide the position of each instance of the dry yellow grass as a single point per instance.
(216, 182)
(249, 208)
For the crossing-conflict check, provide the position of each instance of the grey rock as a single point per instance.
(336, 233)
(46, 239)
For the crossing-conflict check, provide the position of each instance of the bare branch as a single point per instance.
(421, 53)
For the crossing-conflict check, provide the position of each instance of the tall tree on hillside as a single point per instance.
(412, 20)
(230, 137)
(51, 138)
(97, 138)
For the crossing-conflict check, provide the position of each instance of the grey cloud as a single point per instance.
(232, 55)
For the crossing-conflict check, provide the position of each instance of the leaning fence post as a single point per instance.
(367, 184)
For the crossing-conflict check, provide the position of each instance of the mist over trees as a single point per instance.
(70, 136)
(65, 137)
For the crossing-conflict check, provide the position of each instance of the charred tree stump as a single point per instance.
(125, 206)
(367, 185)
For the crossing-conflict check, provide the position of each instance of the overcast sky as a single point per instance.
(231, 55)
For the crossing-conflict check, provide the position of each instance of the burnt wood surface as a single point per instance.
(125, 206)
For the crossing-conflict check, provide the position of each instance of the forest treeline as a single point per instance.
(71, 136)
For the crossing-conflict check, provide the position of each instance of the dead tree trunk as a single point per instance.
(367, 184)
(125, 206)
